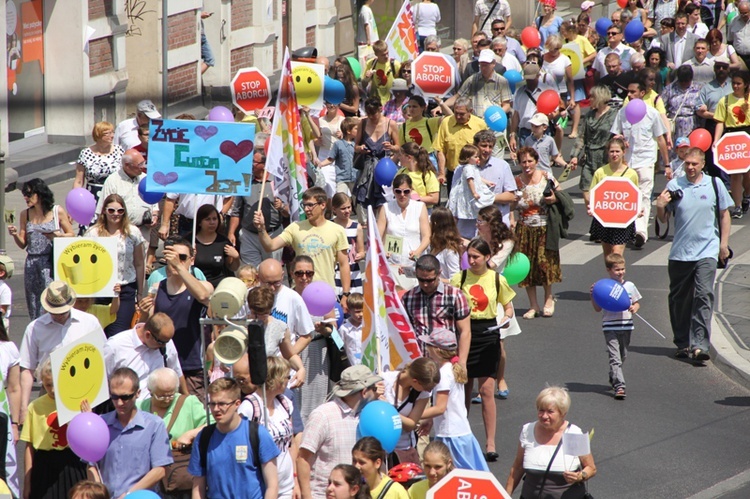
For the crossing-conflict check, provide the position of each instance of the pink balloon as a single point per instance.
(220, 113)
(465, 261)
(635, 111)
(88, 436)
(81, 205)
(319, 297)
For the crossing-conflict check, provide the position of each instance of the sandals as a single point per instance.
(531, 314)
(549, 311)
(700, 355)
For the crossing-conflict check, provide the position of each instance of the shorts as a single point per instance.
(207, 54)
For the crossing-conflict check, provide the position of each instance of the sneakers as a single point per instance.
(620, 394)
(700, 355)
(640, 240)
(745, 204)
(737, 212)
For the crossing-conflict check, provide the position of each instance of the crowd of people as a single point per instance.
(454, 217)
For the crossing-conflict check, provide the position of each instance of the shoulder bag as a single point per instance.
(177, 478)
(720, 264)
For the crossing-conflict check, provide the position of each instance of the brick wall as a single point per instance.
(242, 14)
(241, 57)
(100, 8)
(183, 29)
(100, 56)
(310, 36)
(182, 82)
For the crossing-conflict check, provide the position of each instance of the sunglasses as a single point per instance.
(124, 398)
(115, 211)
(304, 273)
(309, 206)
(427, 280)
(183, 257)
(612, 33)
(404, 192)
(157, 339)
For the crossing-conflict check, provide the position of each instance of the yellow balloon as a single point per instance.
(86, 266)
(81, 376)
(307, 85)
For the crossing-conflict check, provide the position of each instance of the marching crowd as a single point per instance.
(182, 423)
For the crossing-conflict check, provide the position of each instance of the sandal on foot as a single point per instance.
(530, 314)
(700, 355)
(548, 311)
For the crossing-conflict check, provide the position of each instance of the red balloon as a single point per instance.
(530, 37)
(548, 101)
(701, 139)
(622, 3)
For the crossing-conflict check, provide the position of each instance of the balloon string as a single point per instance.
(649, 325)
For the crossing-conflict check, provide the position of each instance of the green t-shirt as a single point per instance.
(191, 416)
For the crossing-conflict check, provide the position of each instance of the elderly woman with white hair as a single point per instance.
(550, 474)
(183, 415)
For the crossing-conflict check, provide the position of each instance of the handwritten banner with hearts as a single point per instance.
(200, 157)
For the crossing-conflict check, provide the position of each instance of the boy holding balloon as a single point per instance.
(617, 323)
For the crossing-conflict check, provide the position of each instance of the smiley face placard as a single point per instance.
(308, 84)
(87, 264)
(78, 372)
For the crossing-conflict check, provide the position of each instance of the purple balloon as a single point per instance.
(220, 113)
(635, 111)
(319, 297)
(81, 205)
(88, 436)
(465, 261)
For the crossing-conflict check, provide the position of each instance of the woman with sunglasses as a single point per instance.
(41, 222)
(214, 254)
(405, 229)
(131, 271)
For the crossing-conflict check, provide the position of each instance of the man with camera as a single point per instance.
(700, 205)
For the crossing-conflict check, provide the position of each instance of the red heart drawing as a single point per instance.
(236, 151)
(381, 76)
(415, 136)
(739, 114)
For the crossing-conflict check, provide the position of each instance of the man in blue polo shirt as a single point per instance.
(700, 204)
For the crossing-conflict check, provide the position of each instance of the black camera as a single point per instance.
(675, 195)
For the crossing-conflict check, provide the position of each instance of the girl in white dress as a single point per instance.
(472, 192)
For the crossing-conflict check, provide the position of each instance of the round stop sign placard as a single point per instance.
(250, 90)
(433, 73)
(733, 152)
(468, 484)
(615, 202)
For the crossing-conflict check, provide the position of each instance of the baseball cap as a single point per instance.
(539, 119)
(587, 5)
(682, 142)
(486, 55)
(149, 109)
(441, 338)
(531, 71)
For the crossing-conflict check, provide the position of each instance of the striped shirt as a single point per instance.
(621, 321)
(356, 274)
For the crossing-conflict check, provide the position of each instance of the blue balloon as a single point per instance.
(385, 171)
(142, 494)
(610, 295)
(496, 118)
(381, 420)
(514, 77)
(602, 25)
(148, 197)
(634, 31)
(334, 91)
(339, 314)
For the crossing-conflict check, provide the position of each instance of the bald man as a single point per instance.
(125, 183)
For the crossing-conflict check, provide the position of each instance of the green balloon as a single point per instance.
(517, 268)
(356, 68)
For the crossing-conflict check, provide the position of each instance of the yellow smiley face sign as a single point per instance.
(88, 265)
(308, 84)
(81, 376)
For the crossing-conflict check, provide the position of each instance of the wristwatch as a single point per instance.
(346, 293)
(584, 476)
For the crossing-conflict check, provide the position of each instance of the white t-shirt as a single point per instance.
(290, 309)
(641, 137)
(454, 422)
(9, 357)
(274, 336)
(352, 336)
(536, 457)
(6, 297)
(450, 263)
(426, 16)
(366, 17)
(621, 320)
(555, 70)
(407, 440)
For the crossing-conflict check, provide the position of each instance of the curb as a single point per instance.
(726, 354)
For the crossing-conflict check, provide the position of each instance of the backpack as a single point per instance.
(258, 411)
(208, 431)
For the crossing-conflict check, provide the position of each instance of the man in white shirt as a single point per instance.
(144, 349)
(644, 139)
(703, 67)
(508, 60)
(367, 29)
(695, 24)
(738, 32)
(126, 133)
(486, 11)
(61, 325)
(615, 46)
(678, 45)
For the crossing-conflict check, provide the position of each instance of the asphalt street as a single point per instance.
(681, 432)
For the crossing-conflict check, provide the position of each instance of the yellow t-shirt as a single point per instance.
(736, 115)
(480, 290)
(382, 78)
(651, 98)
(421, 132)
(37, 431)
(322, 244)
(423, 187)
(419, 490)
(606, 171)
(452, 137)
(586, 48)
(397, 491)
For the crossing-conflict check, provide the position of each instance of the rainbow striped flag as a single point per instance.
(286, 160)
(388, 340)
(402, 38)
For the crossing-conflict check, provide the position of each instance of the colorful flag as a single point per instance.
(388, 340)
(286, 160)
(402, 38)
